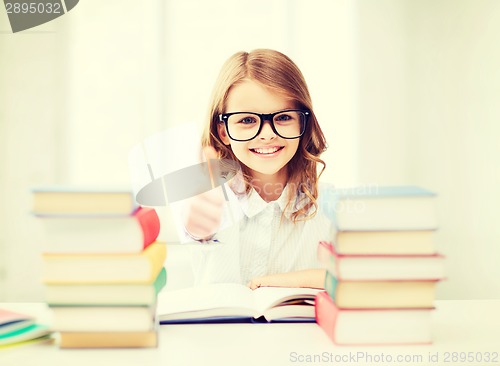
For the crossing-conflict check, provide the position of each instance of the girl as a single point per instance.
(261, 116)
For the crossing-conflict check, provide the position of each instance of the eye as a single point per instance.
(248, 120)
(283, 117)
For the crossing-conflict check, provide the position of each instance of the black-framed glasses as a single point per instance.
(245, 126)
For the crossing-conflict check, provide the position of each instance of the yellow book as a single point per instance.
(108, 339)
(141, 267)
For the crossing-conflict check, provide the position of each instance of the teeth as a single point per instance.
(269, 150)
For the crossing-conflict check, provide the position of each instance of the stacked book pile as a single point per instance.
(17, 329)
(382, 267)
(102, 267)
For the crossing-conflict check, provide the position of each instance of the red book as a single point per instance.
(380, 267)
(100, 234)
(372, 326)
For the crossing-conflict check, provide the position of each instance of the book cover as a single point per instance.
(129, 268)
(103, 318)
(31, 333)
(74, 200)
(381, 208)
(372, 326)
(386, 242)
(138, 339)
(380, 294)
(11, 321)
(100, 234)
(380, 267)
(105, 294)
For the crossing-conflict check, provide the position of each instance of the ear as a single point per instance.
(221, 128)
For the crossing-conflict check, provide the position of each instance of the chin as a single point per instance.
(268, 172)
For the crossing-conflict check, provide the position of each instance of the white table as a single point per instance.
(470, 326)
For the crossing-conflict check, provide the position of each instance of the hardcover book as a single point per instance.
(100, 234)
(142, 339)
(103, 318)
(372, 326)
(74, 200)
(386, 242)
(380, 294)
(381, 208)
(380, 267)
(105, 294)
(141, 267)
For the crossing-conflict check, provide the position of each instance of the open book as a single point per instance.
(236, 303)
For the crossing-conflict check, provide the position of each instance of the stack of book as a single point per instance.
(17, 329)
(382, 267)
(102, 267)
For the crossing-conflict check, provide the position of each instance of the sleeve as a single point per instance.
(230, 217)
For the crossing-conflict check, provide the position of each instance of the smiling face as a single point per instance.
(267, 154)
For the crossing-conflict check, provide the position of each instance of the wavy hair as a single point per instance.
(279, 74)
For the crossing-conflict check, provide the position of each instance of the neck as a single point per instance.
(269, 187)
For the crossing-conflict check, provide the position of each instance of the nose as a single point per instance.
(266, 133)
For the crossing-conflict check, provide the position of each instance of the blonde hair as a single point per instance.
(279, 74)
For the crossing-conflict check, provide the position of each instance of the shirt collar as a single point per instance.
(252, 204)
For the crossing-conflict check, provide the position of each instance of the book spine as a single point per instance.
(108, 339)
(326, 314)
(160, 281)
(150, 224)
(327, 257)
(155, 255)
(331, 283)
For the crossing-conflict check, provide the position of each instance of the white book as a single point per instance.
(236, 302)
(103, 318)
(381, 208)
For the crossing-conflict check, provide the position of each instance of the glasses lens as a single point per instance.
(243, 126)
(290, 124)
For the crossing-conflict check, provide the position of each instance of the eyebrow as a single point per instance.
(250, 111)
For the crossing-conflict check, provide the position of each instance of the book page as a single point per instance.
(290, 312)
(232, 299)
(268, 297)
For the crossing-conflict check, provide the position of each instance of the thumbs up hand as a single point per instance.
(203, 213)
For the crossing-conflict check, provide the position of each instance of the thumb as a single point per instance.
(211, 156)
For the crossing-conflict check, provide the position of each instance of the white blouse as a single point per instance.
(254, 240)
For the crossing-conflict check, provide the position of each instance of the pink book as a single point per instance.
(11, 321)
(372, 326)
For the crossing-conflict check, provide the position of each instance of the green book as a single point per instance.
(105, 294)
(33, 332)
